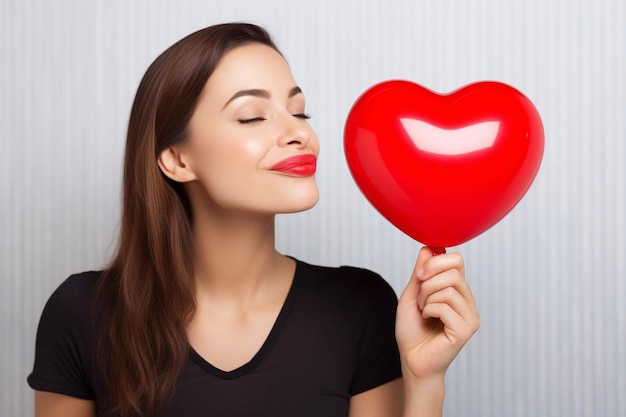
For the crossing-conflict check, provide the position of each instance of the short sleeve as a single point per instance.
(378, 358)
(63, 340)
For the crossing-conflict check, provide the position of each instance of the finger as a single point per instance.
(412, 289)
(454, 299)
(456, 328)
(437, 264)
(424, 255)
(449, 278)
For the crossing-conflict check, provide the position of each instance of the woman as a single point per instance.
(198, 314)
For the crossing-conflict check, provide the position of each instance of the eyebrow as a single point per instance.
(257, 92)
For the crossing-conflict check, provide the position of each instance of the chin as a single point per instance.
(298, 203)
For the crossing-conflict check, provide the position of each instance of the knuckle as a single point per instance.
(475, 324)
(457, 258)
(448, 292)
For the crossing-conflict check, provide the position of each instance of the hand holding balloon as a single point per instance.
(443, 168)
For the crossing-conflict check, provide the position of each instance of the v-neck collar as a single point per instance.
(267, 344)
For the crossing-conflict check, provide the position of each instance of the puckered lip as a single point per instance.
(301, 165)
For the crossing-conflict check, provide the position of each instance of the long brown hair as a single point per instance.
(145, 298)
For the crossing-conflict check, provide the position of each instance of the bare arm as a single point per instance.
(383, 401)
(48, 404)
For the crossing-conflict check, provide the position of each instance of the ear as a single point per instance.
(172, 163)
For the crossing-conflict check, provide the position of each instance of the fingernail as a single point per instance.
(420, 273)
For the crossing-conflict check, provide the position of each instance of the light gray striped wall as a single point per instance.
(550, 278)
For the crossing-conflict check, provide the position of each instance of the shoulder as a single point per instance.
(77, 286)
(365, 280)
(63, 344)
(366, 306)
(68, 311)
(73, 296)
(348, 284)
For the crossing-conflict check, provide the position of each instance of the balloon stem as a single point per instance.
(437, 250)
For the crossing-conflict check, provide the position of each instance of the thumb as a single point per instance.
(413, 287)
(425, 253)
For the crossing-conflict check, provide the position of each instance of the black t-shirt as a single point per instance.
(333, 338)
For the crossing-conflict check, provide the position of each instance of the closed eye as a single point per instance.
(302, 116)
(252, 120)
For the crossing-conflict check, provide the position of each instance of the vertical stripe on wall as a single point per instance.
(549, 279)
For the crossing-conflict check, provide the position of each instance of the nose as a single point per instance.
(296, 132)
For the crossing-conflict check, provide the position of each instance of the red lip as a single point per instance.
(301, 165)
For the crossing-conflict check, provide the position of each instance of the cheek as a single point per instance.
(314, 142)
(241, 158)
(251, 150)
(230, 156)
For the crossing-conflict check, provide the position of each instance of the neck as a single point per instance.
(234, 254)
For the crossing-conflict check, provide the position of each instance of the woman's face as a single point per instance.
(250, 146)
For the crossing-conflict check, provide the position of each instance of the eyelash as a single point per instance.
(260, 119)
(253, 120)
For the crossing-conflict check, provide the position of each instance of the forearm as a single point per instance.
(423, 398)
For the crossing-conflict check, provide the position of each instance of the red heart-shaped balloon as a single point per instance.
(443, 168)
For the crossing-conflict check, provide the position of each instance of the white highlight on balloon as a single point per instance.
(433, 139)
